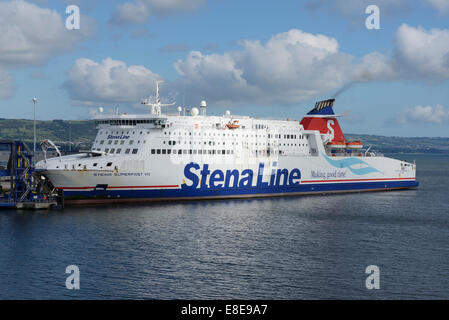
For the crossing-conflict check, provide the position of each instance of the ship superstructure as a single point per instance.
(191, 155)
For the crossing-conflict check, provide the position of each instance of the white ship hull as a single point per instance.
(164, 179)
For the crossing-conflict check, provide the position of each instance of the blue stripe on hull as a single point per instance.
(237, 192)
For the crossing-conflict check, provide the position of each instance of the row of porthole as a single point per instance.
(118, 151)
(270, 136)
(191, 151)
(122, 142)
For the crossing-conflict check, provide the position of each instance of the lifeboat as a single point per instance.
(354, 145)
(337, 144)
(233, 125)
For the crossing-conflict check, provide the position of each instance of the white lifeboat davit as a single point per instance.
(233, 125)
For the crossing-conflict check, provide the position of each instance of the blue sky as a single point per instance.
(262, 58)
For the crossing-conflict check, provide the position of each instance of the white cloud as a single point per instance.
(295, 66)
(31, 34)
(291, 67)
(441, 5)
(418, 54)
(110, 81)
(427, 114)
(6, 85)
(422, 54)
(139, 11)
(374, 67)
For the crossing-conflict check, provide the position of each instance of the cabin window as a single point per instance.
(110, 142)
(106, 150)
(118, 151)
(95, 164)
(153, 151)
(109, 164)
(102, 142)
(158, 151)
(112, 151)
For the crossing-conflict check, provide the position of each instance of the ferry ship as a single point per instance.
(191, 156)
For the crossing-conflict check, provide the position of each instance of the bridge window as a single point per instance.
(135, 151)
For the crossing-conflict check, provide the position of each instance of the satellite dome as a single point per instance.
(194, 112)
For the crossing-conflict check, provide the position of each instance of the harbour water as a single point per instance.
(307, 247)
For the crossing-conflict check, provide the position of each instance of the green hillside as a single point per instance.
(83, 133)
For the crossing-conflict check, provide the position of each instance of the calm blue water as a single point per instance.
(313, 247)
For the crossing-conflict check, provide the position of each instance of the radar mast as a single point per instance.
(156, 108)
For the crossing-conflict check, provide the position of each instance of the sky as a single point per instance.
(268, 59)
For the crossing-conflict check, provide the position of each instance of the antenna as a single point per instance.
(156, 107)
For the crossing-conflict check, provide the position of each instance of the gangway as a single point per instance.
(19, 188)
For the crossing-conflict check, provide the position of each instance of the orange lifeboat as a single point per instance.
(337, 144)
(355, 144)
(233, 125)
